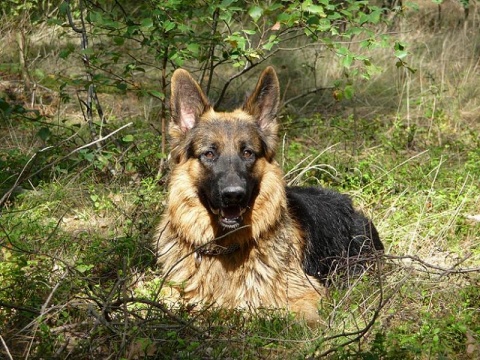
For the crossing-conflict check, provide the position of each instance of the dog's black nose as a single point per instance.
(233, 195)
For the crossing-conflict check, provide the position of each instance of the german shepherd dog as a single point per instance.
(234, 235)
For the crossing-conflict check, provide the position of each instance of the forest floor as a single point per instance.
(77, 273)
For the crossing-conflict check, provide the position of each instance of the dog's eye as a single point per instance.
(247, 154)
(209, 155)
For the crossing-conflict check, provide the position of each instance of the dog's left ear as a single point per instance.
(263, 103)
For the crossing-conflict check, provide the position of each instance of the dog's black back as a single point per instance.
(334, 230)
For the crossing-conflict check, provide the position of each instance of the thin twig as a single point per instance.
(43, 311)
(163, 112)
(167, 273)
(306, 93)
(360, 333)
(92, 95)
(443, 270)
(55, 162)
(230, 79)
(195, 250)
(6, 348)
(19, 308)
(212, 48)
(160, 306)
(6, 196)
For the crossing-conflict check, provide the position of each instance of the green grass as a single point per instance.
(77, 271)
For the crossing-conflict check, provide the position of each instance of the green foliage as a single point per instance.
(36, 9)
(213, 35)
(136, 40)
(43, 263)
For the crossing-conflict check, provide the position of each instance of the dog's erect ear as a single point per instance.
(263, 103)
(187, 101)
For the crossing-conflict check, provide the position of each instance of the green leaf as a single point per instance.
(398, 46)
(4, 105)
(82, 268)
(39, 74)
(255, 12)
(118, 40)
(342, 50)
(127, 138)
(314, 9)
(44, 133)
(65, 53)
(63, 8)
(194, 48)
(88, 51)
(95, 17)
(147, 23)
(347, 60)
(157, 94)
(400, 50)
(168, 25)
(226, 3)
(348, 92)
(273, 40)
(122, 86)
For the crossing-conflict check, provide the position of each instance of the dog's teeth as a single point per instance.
(232, 213)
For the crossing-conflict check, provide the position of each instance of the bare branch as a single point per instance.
(306, 93)
(6, 348)
(6, 196)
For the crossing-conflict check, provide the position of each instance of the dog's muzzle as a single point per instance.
(230, 217)
(231, 210)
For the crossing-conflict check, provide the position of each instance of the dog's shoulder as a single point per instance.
(317, 205)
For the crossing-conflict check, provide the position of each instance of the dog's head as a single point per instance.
(229, 148)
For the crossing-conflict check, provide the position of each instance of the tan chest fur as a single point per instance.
(266, 273)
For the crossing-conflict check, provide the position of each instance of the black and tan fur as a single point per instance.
(233, 234)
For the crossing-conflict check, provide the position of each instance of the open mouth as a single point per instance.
(230, 217)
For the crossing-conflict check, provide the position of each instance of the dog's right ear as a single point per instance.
(263, 104)
(187, 101)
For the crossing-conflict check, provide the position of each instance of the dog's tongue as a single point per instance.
(231, 212)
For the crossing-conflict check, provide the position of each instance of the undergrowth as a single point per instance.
(77, 270)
